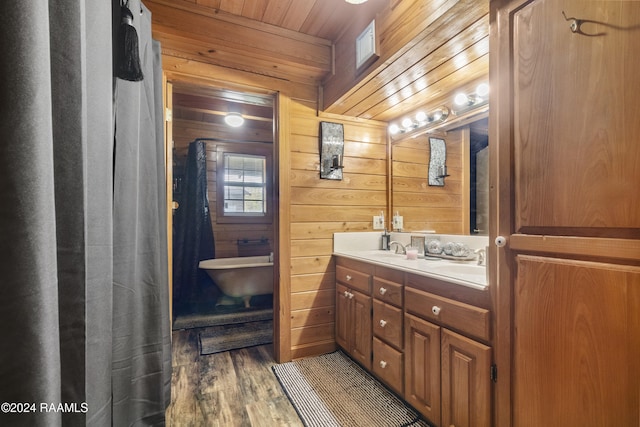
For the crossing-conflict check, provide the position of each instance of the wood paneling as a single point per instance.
(321, 207)
(427, 49)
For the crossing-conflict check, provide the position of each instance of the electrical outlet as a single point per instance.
(378, 222)
(398, 222)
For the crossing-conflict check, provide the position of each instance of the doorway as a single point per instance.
(198, 116)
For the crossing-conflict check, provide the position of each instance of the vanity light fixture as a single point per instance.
(234, 119)
(421, 121)
(472, 100)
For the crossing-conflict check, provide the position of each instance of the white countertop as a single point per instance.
(423, 267)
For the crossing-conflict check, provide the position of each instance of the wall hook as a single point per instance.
(575, 23)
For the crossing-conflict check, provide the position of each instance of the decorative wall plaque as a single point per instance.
(437, 162)
(331, 150)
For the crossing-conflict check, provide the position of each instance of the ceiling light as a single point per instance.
(234, 119)
(355, 1)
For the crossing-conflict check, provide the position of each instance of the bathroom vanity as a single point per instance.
(419, 328)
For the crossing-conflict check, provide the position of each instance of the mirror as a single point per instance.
(461, 206)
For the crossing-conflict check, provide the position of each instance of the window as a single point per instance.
(243, 190)
(244, 185)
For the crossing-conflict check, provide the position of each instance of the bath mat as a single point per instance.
(197, 320)
(216, 339)
(332, 390)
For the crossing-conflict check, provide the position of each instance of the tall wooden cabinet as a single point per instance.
(564, 132)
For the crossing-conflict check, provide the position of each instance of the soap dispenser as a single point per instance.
(386, 237)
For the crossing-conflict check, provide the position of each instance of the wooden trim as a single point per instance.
(389, 211)
(282, 292)
(167, 97)
(465, 143)
(500, 207)
(622, 249)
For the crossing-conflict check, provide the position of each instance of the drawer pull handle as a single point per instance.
(383, 291)
(383, 364)
(383, 323)
(348, 277)
(435, 310)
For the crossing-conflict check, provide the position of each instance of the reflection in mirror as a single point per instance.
(479, 177)
(461, 205)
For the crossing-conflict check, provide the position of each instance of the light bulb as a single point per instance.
(393, 129)
(407, 123)
(461, 99)
(482, 89)
(421, 116)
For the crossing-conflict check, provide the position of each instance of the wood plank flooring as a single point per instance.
(231, 389)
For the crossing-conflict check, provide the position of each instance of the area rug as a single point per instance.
(216, 339)
(332, 390)
(197, 320)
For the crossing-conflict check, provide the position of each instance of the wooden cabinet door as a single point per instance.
(466, 384)
(342, 316)
(564, 131)
(422, 366)
(361, 328)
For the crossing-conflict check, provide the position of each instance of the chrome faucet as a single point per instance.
(482, 253)
(398, 246)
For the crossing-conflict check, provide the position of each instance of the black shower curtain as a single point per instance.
(84, 309)
(193, 233)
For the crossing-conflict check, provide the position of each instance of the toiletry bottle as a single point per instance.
(385, 240)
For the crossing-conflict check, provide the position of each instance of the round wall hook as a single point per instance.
(575, 24)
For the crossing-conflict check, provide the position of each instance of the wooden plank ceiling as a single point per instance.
(297, 40)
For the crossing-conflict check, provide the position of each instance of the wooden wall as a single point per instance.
(319, 208)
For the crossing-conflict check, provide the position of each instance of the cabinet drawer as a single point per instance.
(387, 323)
(354, 279)
(389, 292)
(465, 318)
(388, 365)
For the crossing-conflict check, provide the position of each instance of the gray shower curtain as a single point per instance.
(84, 307)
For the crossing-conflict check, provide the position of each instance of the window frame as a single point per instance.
(244, 149)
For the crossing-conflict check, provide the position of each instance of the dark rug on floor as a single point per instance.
(332, 390)
(197, 320)
(216, 339)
